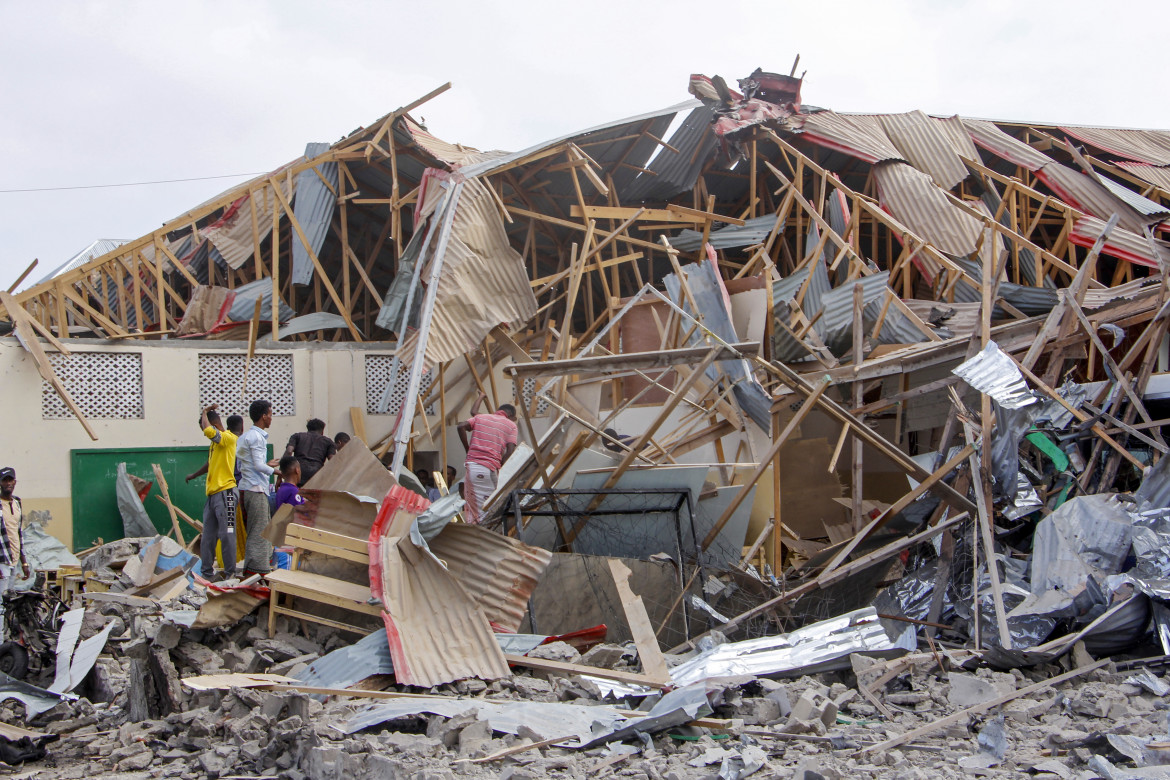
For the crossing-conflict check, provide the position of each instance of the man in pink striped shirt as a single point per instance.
(493, 439)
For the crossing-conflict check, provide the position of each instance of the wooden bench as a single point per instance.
(293, 583)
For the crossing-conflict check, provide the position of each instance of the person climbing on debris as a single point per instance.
(255, 475)
(341, 439)
(493, 439)
(287, 491)
(11, 539)
(311, 447)
(219, 511)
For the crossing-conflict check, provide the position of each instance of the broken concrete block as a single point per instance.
(814, 705)
(605, 656)
(556, 651)
(758, 712)
(167, 637)
(967, 690)
(474, 736)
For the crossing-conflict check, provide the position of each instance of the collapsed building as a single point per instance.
(797, 388)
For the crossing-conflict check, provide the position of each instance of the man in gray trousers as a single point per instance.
(255, 475)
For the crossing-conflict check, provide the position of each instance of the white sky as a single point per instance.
(109, 92)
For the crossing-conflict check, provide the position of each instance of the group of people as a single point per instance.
(240, 486)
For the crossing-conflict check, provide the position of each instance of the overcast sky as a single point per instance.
(110, 92)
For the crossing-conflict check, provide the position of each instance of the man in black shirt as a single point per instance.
(311, 448)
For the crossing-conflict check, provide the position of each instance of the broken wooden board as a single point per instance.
(649, 653)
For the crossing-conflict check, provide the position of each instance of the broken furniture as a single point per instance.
(297, 584)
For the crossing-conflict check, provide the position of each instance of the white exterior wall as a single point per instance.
(328, 379)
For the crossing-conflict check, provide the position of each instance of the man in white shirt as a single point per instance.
(11, 539)
(255, 475)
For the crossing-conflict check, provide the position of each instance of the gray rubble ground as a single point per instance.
(134, 719)
(245, 732)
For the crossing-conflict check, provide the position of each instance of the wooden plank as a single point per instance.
(28, 340)
(634, 361)
(317, 264)
(164, 489)
(144, 572)
(296, 533)
(153, 582)
(357, 417)
(568, 670)
(649, 653)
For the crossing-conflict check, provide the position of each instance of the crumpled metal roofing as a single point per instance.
(498, 572)
(818, 647)
(243, 302)
(956, 133)
(1028, 299)
(1157, 175)
(924, 145)
(711, 297)
(1079, 190)
(621, 125)
(1139, 203)
(1122, 244)
(483, 282)
(753, 231)
(307, 323)
(919, 204)
(675, 172)
(1147, 146)
(313, 208)
(836, 325)
(94, 250)
(857, 135)
(994, 373)
(231, 234)
(987, 136)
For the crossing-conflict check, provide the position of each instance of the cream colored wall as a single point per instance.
(327, 379)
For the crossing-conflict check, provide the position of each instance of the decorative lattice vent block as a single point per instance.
(104, 385)
(378, 374)
(529, 391)
(221, 378)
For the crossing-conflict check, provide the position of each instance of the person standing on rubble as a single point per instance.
(219, 511)
(255, 476)
(11, 539)
(311, 447)
(493, 439)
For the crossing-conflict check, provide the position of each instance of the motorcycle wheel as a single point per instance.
(13, 660)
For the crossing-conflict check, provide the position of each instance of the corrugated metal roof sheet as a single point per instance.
(987, 136)
(232, 233)
(956, 133)
(1122, 243)
(1139, 203)
(753, 231)
(675, 172)
(1083, 192)
(1030, 300)
(710, 296)
(923, 144)
(836, 325)
(483, 283)
(94, 250)
(479, 169)
(919, 204)
(963, 319)
(1148, 146)
(313, 207)
(859, 136)
(497, 571)
(1157, 175)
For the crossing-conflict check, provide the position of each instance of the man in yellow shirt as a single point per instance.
(219, 513)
